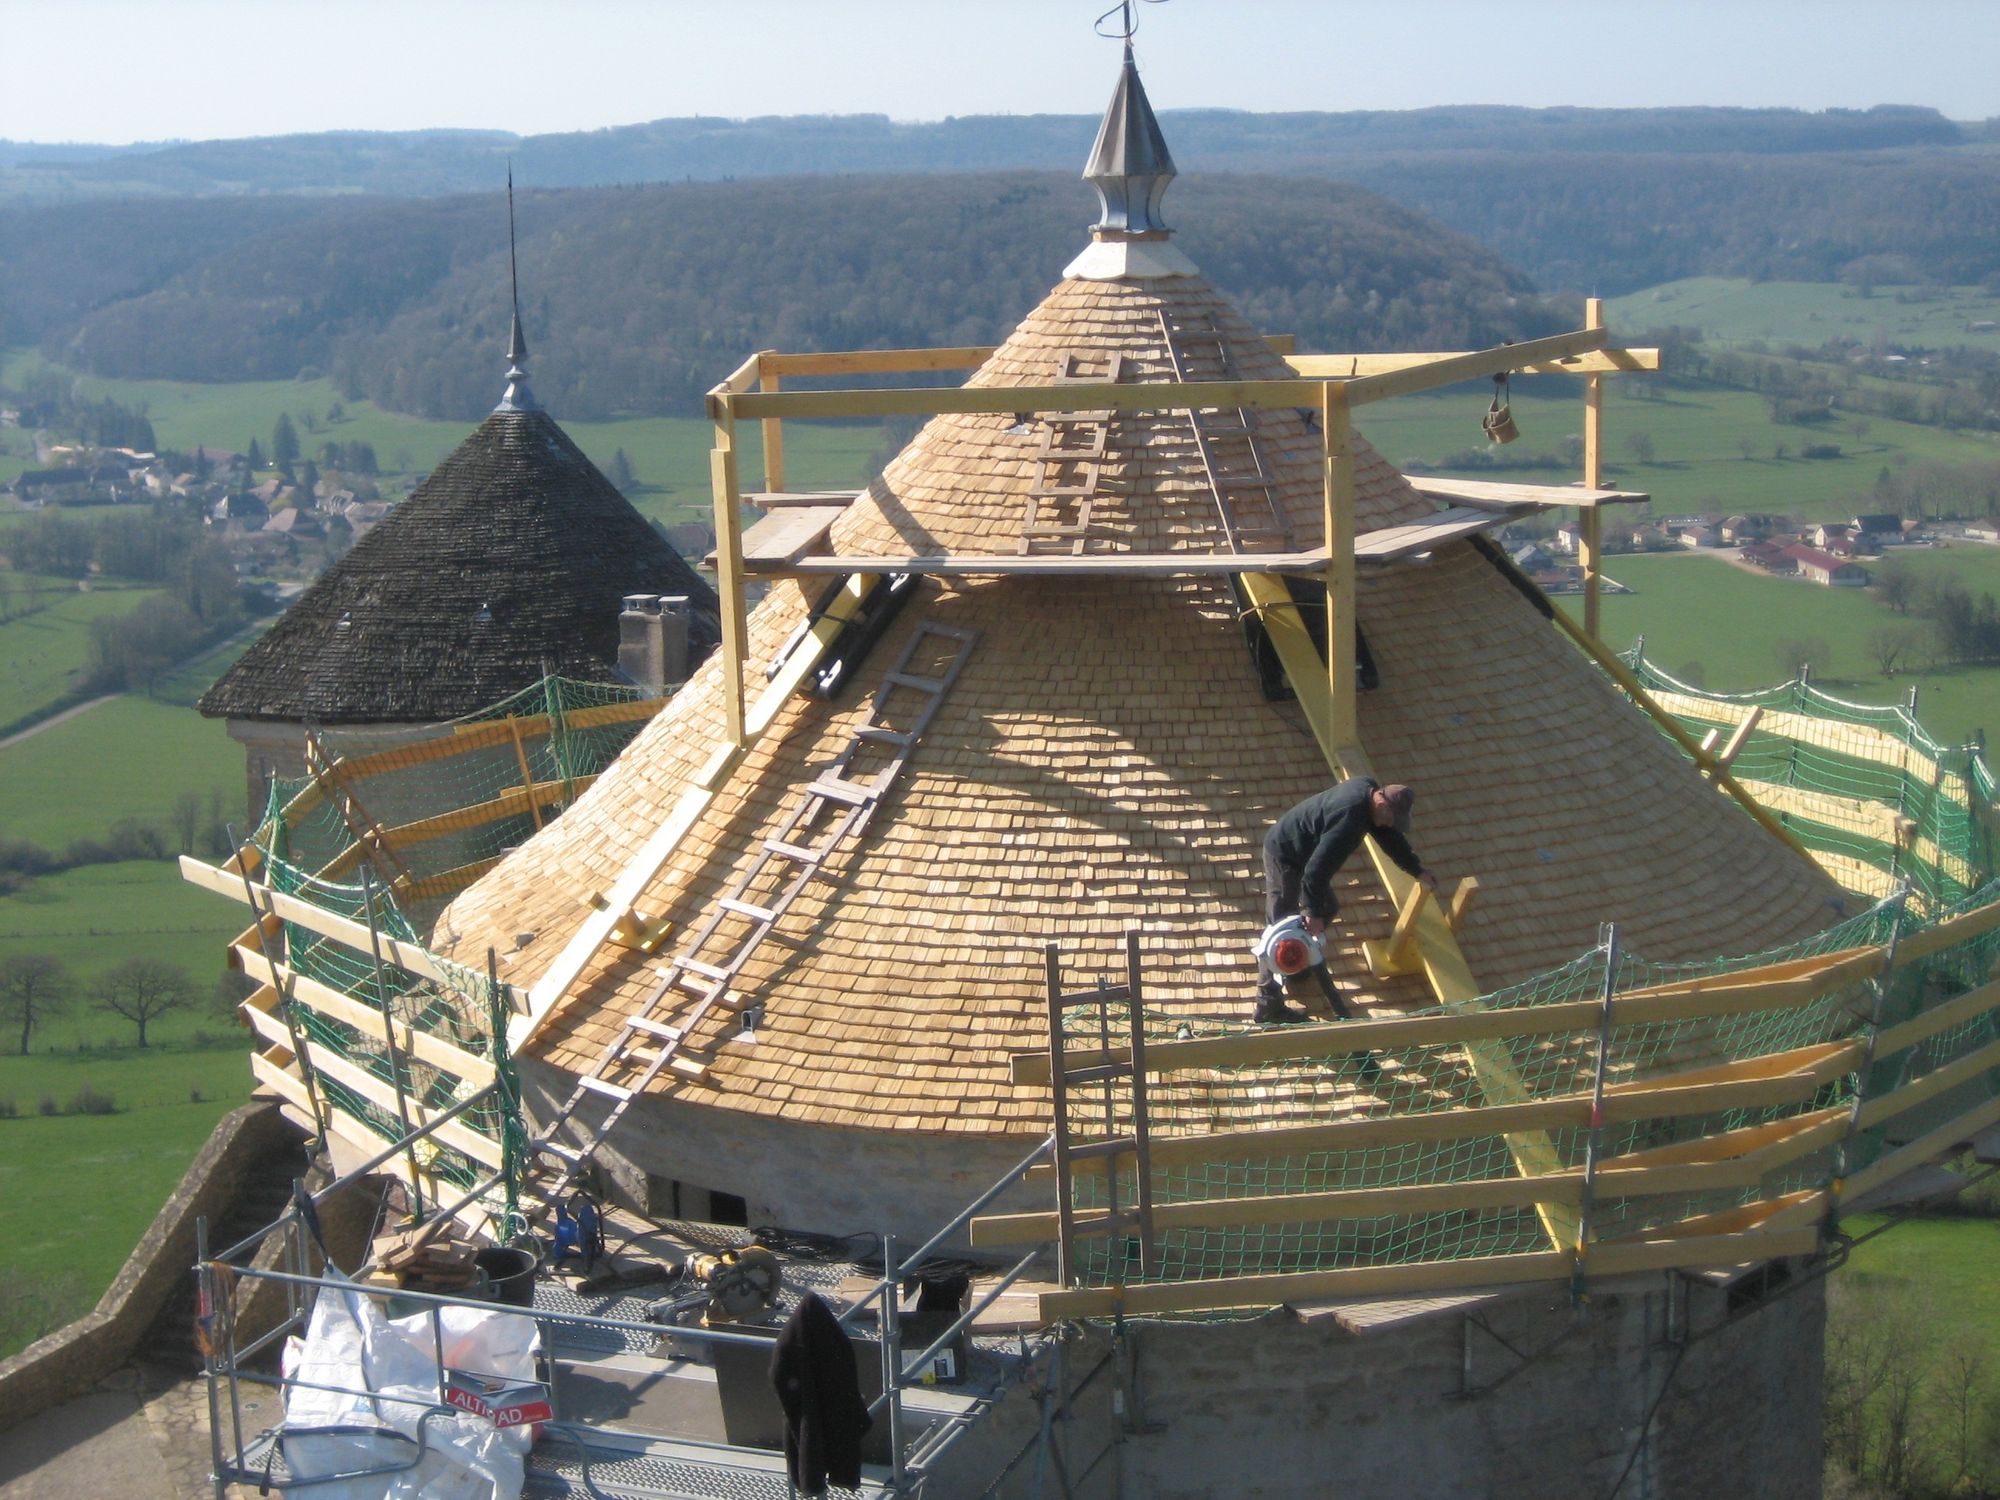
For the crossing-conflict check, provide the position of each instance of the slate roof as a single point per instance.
(510, 560)
(1108, 759)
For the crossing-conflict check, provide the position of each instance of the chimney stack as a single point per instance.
(653, 640)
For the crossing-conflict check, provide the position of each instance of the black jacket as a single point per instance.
(1316, 837)
(812, 1366)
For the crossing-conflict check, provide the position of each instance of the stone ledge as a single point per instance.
(74, 1359)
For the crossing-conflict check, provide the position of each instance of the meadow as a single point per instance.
(46, 643)
(1737, 312)
(1706, 619)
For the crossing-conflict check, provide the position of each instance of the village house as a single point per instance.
(1827, 569)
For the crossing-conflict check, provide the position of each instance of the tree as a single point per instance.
(1896, 585)
(187, 820)
(141, 990)
(309, 479)
(255, 457)
(33, 989)
(284, 442)
(1641, 444)
(1891, 647)
(1795, 656)
(621, 473)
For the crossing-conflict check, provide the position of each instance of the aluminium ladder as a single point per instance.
(698, 980)
(1135, 1143)
(1246, 493)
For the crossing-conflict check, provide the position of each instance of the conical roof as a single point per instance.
(1106, 759)
(510, 560)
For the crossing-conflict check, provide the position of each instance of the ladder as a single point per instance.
(1068, 466)
(1135, 1142)
(1246, 493)
(367, 833)
(697, 982)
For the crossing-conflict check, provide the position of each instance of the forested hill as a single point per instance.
(639, 299)
(699, 149)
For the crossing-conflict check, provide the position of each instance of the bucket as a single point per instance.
(511, 1272)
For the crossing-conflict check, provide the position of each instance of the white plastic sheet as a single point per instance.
(350, 1343)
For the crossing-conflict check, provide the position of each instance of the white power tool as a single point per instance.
(1286, 948)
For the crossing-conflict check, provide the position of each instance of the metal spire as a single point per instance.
(1130, 165)
(517, 396)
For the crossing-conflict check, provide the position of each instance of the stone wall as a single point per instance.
(73, 1359)
(1270, 1408)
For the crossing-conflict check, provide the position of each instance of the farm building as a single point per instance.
(937, 885)
(1827, 570)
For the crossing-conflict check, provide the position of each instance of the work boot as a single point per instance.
(1272, 1009)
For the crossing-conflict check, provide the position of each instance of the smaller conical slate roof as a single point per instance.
(509, 561)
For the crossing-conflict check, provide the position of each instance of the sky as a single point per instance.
(149, 70)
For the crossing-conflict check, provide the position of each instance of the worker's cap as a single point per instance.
(1400, 799)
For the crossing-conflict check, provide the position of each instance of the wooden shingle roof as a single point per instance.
(1106, 759)
(510, 560)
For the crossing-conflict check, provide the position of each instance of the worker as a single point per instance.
(1308, 845)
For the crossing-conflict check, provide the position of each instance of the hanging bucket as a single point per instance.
(1499, 418)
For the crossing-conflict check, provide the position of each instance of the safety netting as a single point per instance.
(388, 826)
(1413, 1114)
(426, 810)
(1876, 799)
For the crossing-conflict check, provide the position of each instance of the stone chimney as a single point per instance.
(653, 640)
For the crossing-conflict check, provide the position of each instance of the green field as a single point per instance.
(42, 652)
(1736, 312)
(1698, 611)
(77, 1191)
(1698, 439)
(1950, 1260)
(95, 917)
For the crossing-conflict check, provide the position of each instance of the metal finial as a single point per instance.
(1129, 165)
(517, 396)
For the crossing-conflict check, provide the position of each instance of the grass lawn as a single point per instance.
(1733, 311)
(129, 758)
(1700, 612)
(77, 1191)
(1698, 437)
(96, 917)
(1948, 1261)
(41, 652)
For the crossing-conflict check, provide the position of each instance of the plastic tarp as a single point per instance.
(384, 1375)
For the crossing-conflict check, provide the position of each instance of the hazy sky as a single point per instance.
(123, 70)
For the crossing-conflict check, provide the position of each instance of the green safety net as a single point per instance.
(1540, 1065)
(451, 798)
(1876, 799)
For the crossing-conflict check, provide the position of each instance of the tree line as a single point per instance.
(38, 988)
(637, 300)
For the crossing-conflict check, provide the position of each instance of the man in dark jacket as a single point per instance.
(1309, 844)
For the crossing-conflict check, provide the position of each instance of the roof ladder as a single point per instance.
(1246, 493)
(1068, 466)
(699, 980)
(1135, 1221)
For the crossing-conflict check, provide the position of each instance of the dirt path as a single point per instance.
(54, 719)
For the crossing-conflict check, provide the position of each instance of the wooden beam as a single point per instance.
(653, 855)
(1590, 554)
(773, 430)
(1388, 959)
(876, 361)
(1673, 1096)
(785, 535)
(1612, 1258)
(1959, 1070)
(1940, 1017)
(1949, 933)
(1353, 366)
(729, 571)
(425, 1046)
(527, 775)
(1619, 673)
(1483, 362)
(1070, 565)
(1740, 738)
(1337, 536)
(1497, 494)
(1010, 400)
(1767, 987)
(344, 930)
(1393, 542)
(451, 1133)
(1614, 1180)
(1932, 1146)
